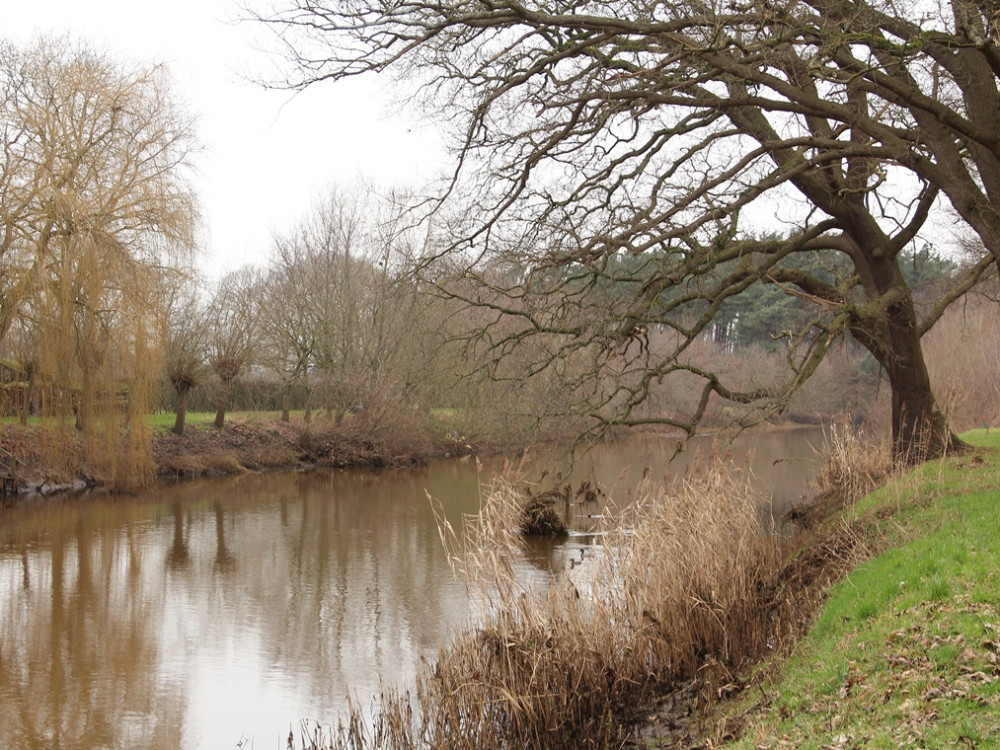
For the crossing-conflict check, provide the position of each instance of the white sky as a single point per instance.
(267, 154)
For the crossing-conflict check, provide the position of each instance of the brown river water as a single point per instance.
(217, 613)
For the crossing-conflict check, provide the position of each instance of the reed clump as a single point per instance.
(855, 465)
(681, 591)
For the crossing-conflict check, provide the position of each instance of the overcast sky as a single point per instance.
(267, 154)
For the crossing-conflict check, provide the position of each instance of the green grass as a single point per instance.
(193, 420)
(165, 420)
(31, 420)
(200, 420)
(906, 652)
(160, 420)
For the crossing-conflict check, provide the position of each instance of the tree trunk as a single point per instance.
(84, 400)
(182, 397)
(919, 430)
(220, 413)
(286, 405)
(29, 394)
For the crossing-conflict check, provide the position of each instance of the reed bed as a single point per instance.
(678, 592)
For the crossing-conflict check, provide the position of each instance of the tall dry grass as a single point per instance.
(856, 462)
(677, 592)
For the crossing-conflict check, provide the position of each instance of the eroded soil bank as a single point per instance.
(49, 459)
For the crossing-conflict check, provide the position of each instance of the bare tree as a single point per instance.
(290, 318)
(335, 235)
(233, 333)
(346, 316)
(645, 148)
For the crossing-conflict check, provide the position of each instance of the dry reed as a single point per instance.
(855, 464)
(675, 594)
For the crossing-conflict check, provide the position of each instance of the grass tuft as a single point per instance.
(854, 465)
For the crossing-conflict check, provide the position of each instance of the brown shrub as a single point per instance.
(963, 358)
(44, 456)
(539, 516)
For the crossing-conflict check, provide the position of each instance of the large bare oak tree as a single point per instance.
(623, 160)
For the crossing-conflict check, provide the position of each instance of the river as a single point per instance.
(220, 612)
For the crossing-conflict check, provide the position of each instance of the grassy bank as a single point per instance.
(906, 651)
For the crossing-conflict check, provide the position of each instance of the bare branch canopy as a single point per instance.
(634, 165)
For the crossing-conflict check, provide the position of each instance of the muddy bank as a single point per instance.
(266, 445)
(49, 459)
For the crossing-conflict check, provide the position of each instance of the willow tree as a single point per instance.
(95, 204)
(674, 134)
(186, 343)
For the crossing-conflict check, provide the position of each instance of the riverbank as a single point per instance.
(49, 458)
(260, 443)
(905, 649)
(590, 685)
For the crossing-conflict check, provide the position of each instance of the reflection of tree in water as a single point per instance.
(178, 555)
(25, 569)
(356, 581)
(224, 560)
(78, 637)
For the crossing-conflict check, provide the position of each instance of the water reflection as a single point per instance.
(70, 648)
(208, 611)
(177, 555)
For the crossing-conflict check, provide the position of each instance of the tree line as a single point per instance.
(333, 321)
(105, 318)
